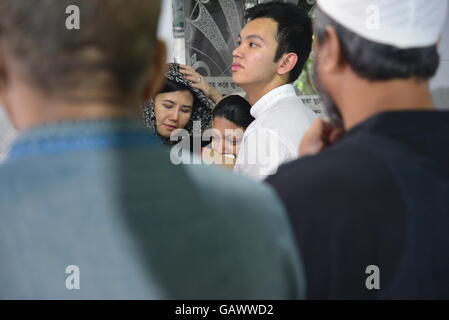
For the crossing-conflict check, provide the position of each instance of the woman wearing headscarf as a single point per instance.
(179, 105)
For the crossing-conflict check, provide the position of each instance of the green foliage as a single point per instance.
(305, 81)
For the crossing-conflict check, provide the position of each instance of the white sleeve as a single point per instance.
(261, 153)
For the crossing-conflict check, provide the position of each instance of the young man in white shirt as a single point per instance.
(273, 48)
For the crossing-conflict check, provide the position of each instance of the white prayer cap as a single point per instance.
(400, 23)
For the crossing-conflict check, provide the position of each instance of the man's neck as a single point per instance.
(364, 99)
(256, 91)
(28, 107)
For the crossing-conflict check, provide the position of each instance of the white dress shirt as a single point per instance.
(273, 138)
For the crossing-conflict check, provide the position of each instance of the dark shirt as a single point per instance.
(379, 196)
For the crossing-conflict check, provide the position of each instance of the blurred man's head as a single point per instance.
(381, 43)
(275, 43)
(108, 61)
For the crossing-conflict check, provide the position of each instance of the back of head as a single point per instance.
(107, 59)
(294, 31)
(235, 109)
(389, 40)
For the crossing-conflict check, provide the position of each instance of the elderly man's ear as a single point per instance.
(331, 55)
(158, 69)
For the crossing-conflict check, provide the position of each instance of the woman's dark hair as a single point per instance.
(376, 61)
(235, 109)
(172, 86)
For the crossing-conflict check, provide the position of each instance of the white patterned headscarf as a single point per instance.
(202, 109)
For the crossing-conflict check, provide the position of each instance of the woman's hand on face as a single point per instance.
(200, 83)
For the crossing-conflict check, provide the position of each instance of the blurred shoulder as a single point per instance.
(232, 191)
(343, 167)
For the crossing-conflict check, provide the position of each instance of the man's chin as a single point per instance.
(331, 108)
(334, 114)
(237, 80)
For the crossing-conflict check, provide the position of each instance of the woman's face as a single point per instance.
(227, 137)
(173, 110)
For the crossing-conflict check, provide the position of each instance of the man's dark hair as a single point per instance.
(375, 61)
(235, 109)
(294, 31)
(107, 59)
